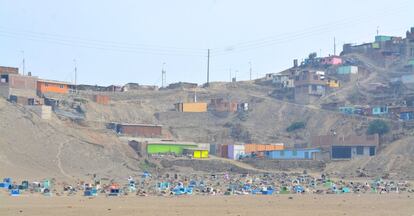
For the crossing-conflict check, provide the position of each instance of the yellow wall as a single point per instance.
(194, 107)
(333, 83)
(200, 154)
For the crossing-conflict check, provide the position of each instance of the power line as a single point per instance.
(99, 42)
(100, 46)
(287, 37)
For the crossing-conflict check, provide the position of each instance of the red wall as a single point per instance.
(141, 130)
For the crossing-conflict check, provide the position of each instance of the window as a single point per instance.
(372, 151)
(341, 152)
(61, 86)
(314, 87)
(412, 52)
(46, 84)
(282, 153)
(360, 150)
(294, 153)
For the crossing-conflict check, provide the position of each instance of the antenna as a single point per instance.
(163, 75)
(208, 66)
(334, 46)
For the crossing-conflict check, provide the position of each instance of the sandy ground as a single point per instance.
(391, 204)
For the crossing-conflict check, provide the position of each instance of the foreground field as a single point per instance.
(372, 204)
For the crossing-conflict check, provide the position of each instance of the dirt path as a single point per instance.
(59, 159)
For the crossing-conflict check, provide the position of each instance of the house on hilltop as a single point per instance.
(309, 87)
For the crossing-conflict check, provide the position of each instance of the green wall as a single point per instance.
(167, 148)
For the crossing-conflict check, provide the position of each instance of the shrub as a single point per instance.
(378, 127)
(296, 126)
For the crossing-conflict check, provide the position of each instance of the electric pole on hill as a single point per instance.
(208, 67)
(23, 62)
(163, 75)
(76, 76)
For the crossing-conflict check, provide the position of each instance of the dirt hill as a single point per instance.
(62, 148)
(36, 148)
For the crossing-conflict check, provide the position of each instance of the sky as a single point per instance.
(117, 42)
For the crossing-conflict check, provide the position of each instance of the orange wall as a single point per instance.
(44, 87)
(249, 148)
(194, 107)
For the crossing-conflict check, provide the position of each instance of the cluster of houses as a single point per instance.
(36, 94)
(147, 140)
(324, 148)
(385, 49)
(215, 105)
(307, 85)
(402, 113)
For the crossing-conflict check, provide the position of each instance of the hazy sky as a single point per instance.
(115, 42)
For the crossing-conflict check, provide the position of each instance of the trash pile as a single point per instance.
(212, 184)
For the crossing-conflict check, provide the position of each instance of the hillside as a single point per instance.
(70, 149)
(34, 148)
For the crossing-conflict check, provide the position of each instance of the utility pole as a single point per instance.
(377, 30)
(163, 75)
(208, 67)
(23, 62)
(250, 63)
(76, 76)
(334, 46)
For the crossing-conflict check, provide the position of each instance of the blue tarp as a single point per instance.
(90, 192)
(346, 190)
(298, 189)
(179, 190)
(15, 192)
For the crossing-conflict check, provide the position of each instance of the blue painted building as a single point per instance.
(347, 110)
(293, 154)
(406, 114)
(379, 110)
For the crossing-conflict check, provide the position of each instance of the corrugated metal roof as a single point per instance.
(55, 82)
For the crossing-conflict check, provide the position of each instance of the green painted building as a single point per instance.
(382, 38)
(160, 148)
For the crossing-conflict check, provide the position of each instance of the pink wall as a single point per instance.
(332, 60)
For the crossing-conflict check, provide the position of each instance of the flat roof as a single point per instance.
(138, 124)
(161, 141)
(55, 81)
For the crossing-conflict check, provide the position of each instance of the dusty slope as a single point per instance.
(35, 148)
(265, 123)
(397, 160)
